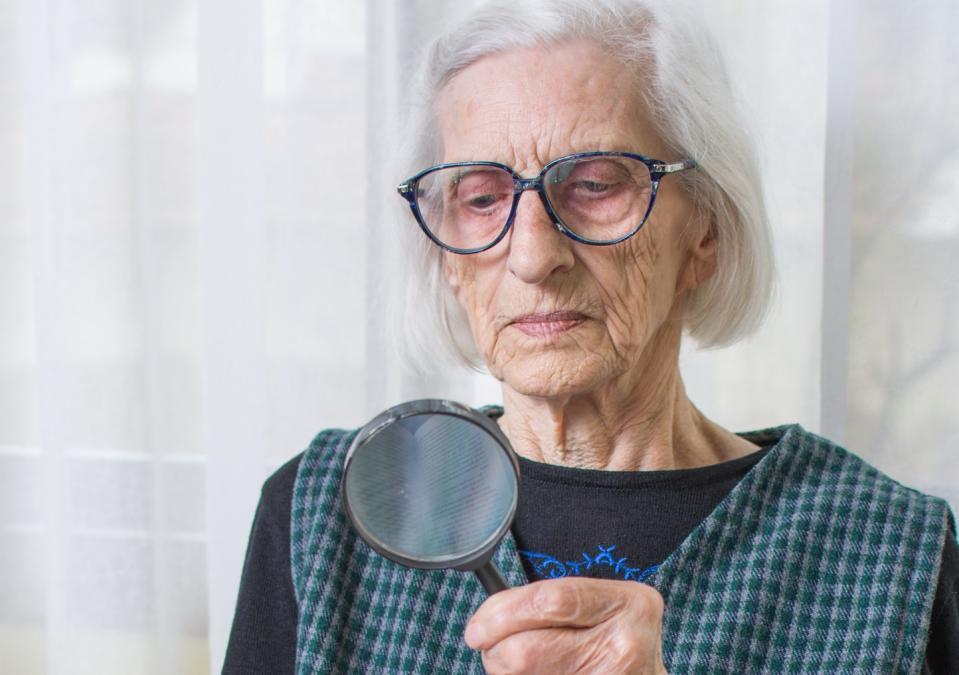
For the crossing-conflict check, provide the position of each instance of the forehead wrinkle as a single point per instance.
(512, 140)
(527, 122)
(466, 130)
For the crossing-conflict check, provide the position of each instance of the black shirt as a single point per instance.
(613, 524)
(616, 525)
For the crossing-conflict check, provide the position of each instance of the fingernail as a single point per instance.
(474, 635)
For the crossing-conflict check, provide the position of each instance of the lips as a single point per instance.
(548, 324)
(550, 317)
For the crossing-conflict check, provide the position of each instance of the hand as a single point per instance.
(571, 625)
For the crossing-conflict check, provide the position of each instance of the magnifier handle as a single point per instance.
(491, 578)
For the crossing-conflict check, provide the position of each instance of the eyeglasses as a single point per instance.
(598, 198)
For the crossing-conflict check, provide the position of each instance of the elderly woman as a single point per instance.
(588, 195)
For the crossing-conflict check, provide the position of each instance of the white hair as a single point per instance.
(681, 78)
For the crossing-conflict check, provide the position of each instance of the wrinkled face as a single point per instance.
(553, 317)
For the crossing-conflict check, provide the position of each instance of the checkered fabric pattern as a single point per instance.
(815, 562)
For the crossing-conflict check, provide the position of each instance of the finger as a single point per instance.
(548, 650)
(606, 648)
(570, 602)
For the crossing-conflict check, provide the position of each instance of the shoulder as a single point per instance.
(277, 490)
(832, 478)
(320, 466)
(317, 521)
(852, 470)
(317, 469)
(276, 494)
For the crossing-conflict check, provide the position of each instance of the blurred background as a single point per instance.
(193, 196)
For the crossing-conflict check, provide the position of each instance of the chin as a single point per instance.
(553, 374)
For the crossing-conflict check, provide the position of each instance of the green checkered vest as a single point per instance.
(815, 562)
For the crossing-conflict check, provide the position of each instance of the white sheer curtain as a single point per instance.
(192, 201)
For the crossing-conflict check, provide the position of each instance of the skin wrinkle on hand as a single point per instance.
(606, 393)
(570, 625)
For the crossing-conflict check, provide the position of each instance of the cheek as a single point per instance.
(638, 289)
(628, 285)
(474, 286)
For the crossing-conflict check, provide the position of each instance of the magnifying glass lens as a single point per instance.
(431, 489)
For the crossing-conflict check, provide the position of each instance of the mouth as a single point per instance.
(548, 324)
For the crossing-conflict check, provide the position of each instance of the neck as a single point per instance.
(639, 421)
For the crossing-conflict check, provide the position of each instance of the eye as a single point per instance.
(588, 179)
(483, 201)
(481, 190)
(593, 186)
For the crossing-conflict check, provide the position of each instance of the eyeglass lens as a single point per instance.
(597, 198)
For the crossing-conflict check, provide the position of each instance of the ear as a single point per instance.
(702, 261)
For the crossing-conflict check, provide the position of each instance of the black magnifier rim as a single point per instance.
(432, 406)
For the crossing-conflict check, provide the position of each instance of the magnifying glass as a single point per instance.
(433, 484)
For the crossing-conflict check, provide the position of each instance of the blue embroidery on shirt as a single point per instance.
(547, 567)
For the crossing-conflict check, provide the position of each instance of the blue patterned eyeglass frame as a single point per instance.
(657, 169)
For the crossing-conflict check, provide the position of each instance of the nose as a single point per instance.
(537, 248)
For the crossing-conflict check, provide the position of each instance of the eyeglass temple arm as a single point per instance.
(674, 167)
